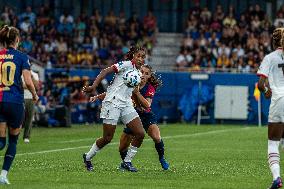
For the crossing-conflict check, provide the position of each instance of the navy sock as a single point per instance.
(123, 154)
(160, 149)
(2, 143)
(11, 152)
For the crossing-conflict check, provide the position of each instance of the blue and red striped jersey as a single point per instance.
(148, 91)
(12, 63)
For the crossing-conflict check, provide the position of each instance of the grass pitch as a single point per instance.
(201, 157)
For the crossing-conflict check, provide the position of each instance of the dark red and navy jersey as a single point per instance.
(12, 63)
(148, 91)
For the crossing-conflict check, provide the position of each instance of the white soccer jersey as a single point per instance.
(118, 93)
(272, 67)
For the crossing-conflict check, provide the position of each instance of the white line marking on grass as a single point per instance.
(116, 143)
(167, 137)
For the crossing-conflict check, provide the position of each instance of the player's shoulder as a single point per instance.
(19, 54)
(124, 62)
(273, 54)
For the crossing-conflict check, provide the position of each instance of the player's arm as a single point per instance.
(99, 78)
(100, 97)
(263, 73)
(29, 83)
(144, 102)
(264, 87)
(35, 82)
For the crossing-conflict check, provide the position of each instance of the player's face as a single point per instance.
(146, 74)
(139, 58)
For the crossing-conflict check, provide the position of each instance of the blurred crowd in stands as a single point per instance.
(83, 41)
(225, 40)
(86, 41)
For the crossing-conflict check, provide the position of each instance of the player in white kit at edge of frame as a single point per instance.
(271, 83)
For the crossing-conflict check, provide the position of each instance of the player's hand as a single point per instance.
(93, 99)
(35, 98)
(268, 93)
(87, 89)
(136, 90)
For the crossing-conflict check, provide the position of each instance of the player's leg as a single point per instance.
(282, 142)
(27, 124)
(108, 132)
(14, 114)
(3, 127)
(125, 140)
(275, 131)
(10, 153)
(110, 115)
(131, 119)
(154, 133)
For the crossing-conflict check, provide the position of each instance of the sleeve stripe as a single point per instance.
(115, 68)
(263, 75)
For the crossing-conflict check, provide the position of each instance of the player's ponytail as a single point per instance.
(8, 36)
(132, 51)
(155, 79)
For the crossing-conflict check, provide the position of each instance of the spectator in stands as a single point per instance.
(29, 15)
(183, 60)
(29, 107)
(150, 23)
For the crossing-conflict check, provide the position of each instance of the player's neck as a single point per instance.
(11, 46)
(142, 84)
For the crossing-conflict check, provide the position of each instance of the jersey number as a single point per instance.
(7, 73)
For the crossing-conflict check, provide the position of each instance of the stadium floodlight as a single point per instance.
(199, 77)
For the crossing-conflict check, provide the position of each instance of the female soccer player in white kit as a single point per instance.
(118, 104)
(271, 83)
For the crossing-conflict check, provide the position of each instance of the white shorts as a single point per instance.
(276, 111)
(111, 113)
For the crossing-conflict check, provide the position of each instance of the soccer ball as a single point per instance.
(132, 78)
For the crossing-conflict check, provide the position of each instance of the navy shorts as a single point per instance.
(147, 119)
(12, 114)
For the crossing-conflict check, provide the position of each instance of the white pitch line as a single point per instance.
(116, 143)
(175, 136)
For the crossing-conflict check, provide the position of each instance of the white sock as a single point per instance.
(93, 151)
(274, 158)
(132, 150)
(4, 173)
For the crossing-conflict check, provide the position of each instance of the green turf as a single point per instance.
(211, 157)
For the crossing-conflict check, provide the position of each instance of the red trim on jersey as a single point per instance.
(280, 48)
(259, 74)
(133, 63)
(2, 52)
(115, 68)
(150, 91)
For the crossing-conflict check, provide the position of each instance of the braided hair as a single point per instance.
(133, 50)
(278, 38)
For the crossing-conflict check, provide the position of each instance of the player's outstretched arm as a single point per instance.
(264, 87)
(100, 97)
(99, 78)
(29, 84)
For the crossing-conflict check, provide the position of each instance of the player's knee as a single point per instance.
(156, 139)
(140, 135)
(108, 139)
(13, 139)
(2, 143)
